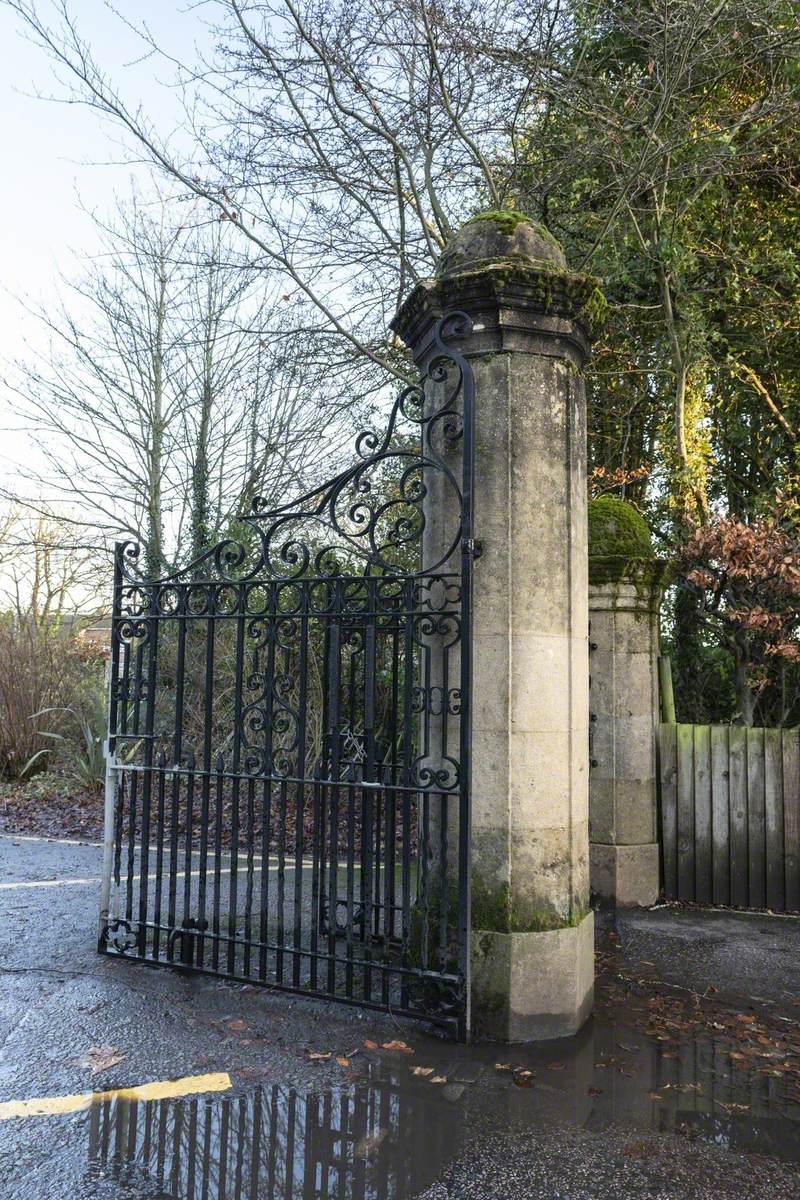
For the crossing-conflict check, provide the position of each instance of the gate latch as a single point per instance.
(473, 547)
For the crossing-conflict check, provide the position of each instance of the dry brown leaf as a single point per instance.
(401, 1047)
(318, 1055)
(101, 1058)
(502, 1066)
(421, 1070)
(371, 1045)
(342, 1061)
(438, 1079)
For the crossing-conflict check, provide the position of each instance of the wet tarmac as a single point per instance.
(667, 1092)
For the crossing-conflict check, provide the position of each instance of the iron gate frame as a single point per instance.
(377, 533)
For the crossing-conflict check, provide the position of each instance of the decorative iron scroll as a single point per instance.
(374, 510)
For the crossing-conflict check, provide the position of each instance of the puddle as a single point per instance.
(373, 1141)
(389, 1133)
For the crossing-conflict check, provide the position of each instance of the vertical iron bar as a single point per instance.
(281, 896)
(300, 806)
(371, 795)
(255, 1145)
(334, 738)
(188, 855)
(160, 803)
(218, 807)
(465, 719)
(205, 795)
(266, 795)
(248, 899)
(236, 767)
(407, 796)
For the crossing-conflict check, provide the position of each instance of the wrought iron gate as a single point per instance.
(288, 786)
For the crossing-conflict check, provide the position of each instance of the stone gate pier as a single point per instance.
(532, 324)
(626, 583)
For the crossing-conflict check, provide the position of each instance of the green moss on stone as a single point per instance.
(616, 528)
(507, 220)
(620, 548)
(494, 911)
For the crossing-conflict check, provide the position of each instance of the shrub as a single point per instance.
(42, 676)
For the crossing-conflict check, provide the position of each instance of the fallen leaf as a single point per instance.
(402, 1047)
(502, 1066)
(249, 1072)
(101, 1058)
(318, 1055)
(342, 1061)
(421, 1070)
(371, 1045)
(438, 1079)
(654, 1096)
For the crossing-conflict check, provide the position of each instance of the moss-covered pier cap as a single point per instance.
(506, 258)
(496, 237)
(620, 545)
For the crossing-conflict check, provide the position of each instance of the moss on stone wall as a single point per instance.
(494, 911)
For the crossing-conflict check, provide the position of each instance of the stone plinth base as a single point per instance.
(626, 875)
(529, 987)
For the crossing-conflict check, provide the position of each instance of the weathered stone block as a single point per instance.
(533, 986)
(626, 875)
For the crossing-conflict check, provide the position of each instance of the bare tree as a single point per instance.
(168, 396)
(46, 576)
(344, 141)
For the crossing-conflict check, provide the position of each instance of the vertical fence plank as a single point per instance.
(791, 817)
(720, 816)
(668, 767)
(756, 819)
(737, 783)
(702, 814)
(686, 836)
(773, 817)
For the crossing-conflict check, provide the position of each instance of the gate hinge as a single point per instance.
(472, 546)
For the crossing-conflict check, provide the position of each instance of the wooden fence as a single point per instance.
(730, 815)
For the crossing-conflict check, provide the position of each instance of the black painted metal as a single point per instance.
(290, 729)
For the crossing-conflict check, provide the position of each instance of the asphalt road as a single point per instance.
(570, 1120)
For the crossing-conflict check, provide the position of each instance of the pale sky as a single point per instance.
(57, 156)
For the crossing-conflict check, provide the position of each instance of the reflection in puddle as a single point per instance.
(373, 1142)
(388, 1135)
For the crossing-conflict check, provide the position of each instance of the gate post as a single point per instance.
(625, 586)
(532, 322)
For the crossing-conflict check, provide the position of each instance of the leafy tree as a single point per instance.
(748, 578)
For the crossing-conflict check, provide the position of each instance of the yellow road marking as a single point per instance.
(165, 1089)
